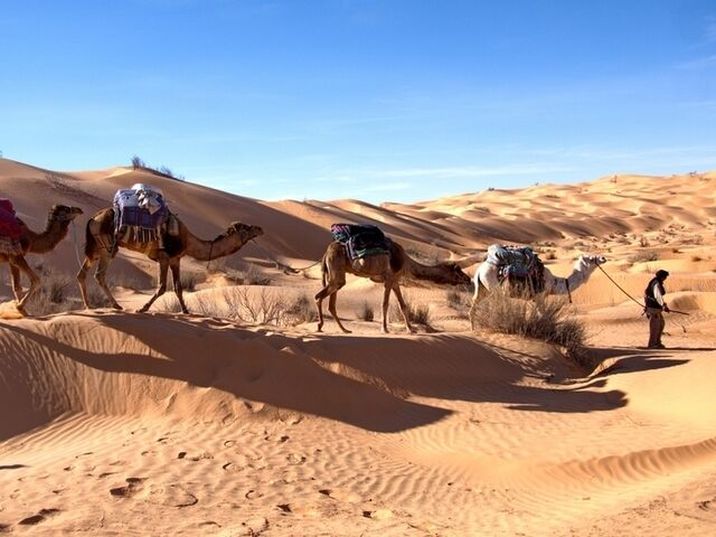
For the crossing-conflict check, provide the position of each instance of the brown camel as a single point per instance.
(58, 221)
(101, 245)
(386, 268)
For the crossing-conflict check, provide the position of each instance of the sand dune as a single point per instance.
(118, 423)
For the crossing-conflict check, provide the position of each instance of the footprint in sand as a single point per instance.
(172, 496)
(253, 494)
(379, 514)
(341, 495)
(5, 528)
(134, 485)
(44, 514)
(295, 458)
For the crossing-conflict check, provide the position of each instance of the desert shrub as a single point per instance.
(459, 301)
(266, 308)
(644, 257)
(546, 319)
(248, 276)
(189, 280)
(417, 314)
(138, 163)
(57, 293)
(301, 310)
(366, 312)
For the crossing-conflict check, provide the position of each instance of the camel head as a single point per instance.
(245, 231)
(592, 260)
(454, 275)
(64, 213)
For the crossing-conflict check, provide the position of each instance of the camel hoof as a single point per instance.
(346, 331)
(117, 307)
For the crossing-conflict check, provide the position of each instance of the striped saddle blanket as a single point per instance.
(135, 220)
(520, 266)
(10, 229)
(361, 240)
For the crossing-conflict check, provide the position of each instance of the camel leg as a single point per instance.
(82, 280)
(101, 275)
(163, 270)
(386, 300)
(176, 279)
(332, 309)
(403, 308)
(477, 297)
(329, 289)
(22, 265)
(16, 283)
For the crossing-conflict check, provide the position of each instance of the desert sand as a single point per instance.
(119, 423)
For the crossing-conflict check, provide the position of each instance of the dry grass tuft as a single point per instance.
(460, 301)
(366, 312)
(544, 318)
(418, 314)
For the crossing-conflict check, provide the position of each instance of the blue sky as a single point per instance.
(377, 100)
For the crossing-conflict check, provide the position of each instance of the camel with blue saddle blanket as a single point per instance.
(363, 250)
(523, 274)
(159, 235)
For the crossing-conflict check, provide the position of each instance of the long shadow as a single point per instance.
(245, 364)
(459, 368)
(640, 362)
(298, 373)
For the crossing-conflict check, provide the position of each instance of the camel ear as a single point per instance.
(469, 260)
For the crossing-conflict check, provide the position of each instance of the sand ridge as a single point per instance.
(145, 424)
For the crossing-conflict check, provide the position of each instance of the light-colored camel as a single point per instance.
(383, 268)
(101, 245)
(58, 221)
(486, 280)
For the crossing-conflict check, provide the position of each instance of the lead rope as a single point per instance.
(280, 265)
(635, 300)
(620, 287)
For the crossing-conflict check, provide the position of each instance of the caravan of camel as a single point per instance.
(361, 250)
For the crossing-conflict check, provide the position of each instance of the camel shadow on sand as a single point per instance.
(363, 381)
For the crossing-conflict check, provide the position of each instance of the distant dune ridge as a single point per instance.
(239, 419)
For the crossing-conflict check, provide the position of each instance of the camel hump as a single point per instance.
(361, 240)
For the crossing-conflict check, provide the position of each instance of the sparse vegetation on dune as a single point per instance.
(249, 306)
(545, 318)
(418, 314)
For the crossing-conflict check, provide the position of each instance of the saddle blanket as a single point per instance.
(137, 219)
(9, 224)
(361, 240)
(9, 246)
(517, 265)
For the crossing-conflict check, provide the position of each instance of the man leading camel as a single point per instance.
(655, 305)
